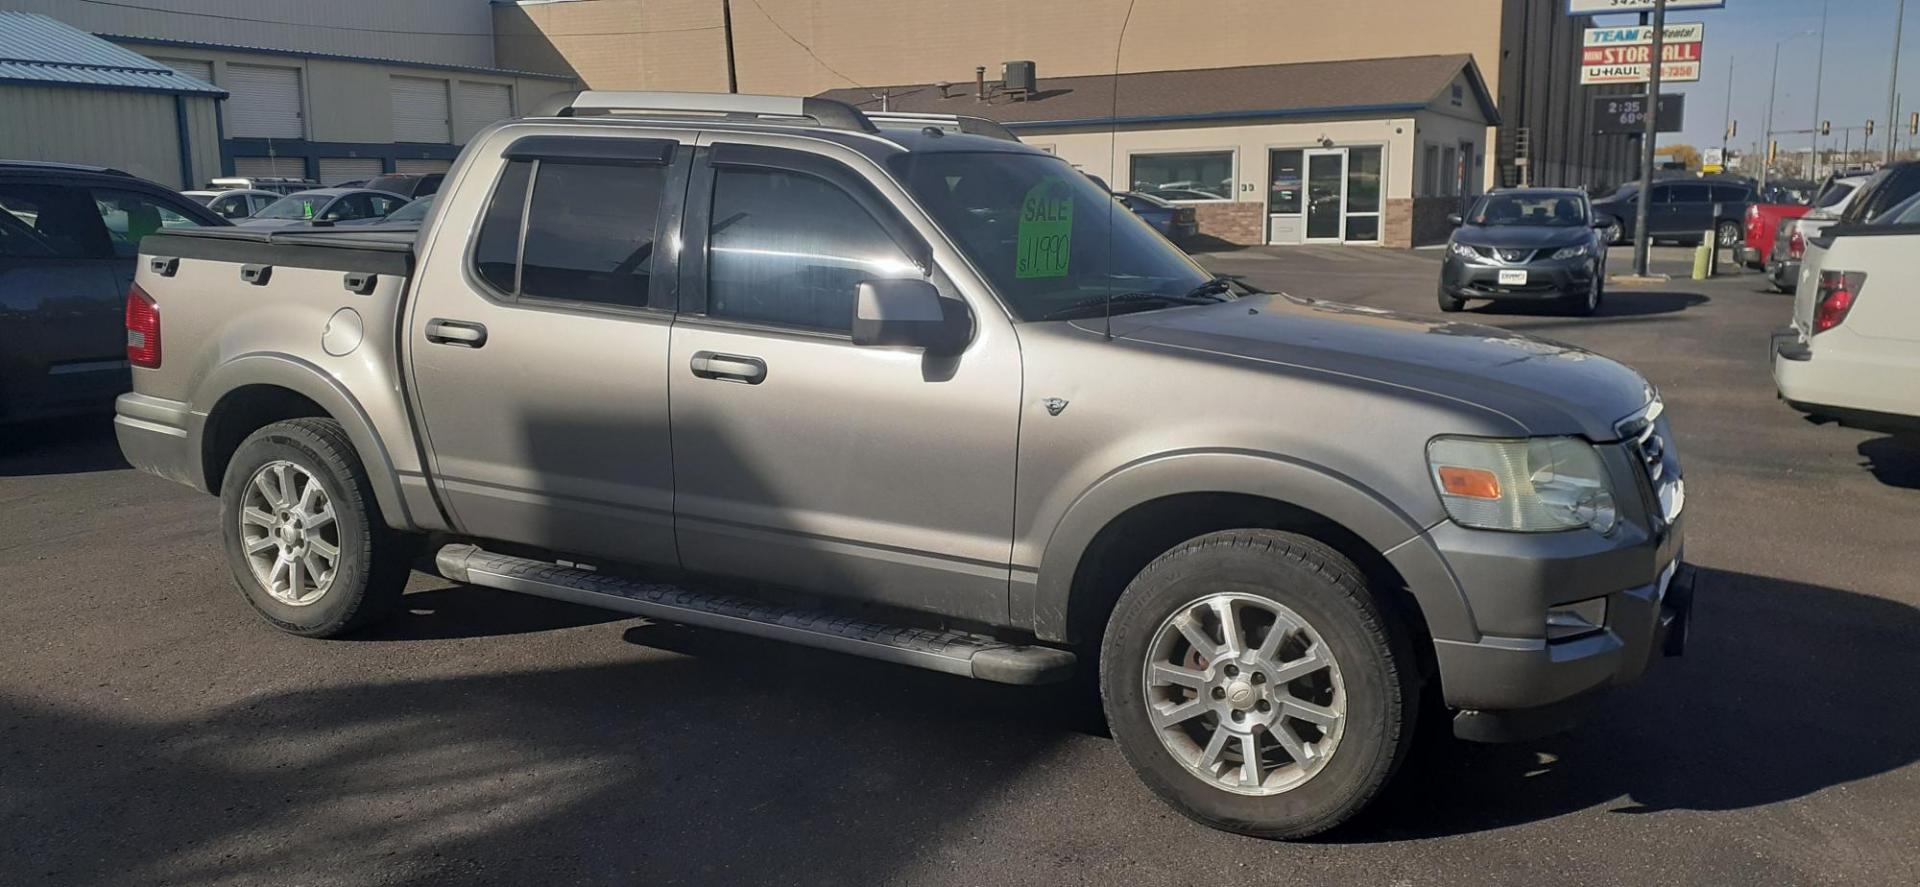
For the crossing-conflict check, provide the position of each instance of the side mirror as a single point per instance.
(1455, 220)
(908, 312)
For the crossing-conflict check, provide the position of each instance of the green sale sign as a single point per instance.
(1046, 230)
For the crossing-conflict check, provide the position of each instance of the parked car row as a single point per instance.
(1868, 198)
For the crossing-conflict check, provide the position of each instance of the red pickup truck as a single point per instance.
(1763, 219)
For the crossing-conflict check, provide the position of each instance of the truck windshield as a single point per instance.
(1053, 244)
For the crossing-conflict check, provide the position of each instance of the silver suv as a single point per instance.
(915, 391)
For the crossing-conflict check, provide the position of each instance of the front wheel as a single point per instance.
(1450, 303)
(304, 537)
(1256, 686)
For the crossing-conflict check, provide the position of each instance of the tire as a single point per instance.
(1616, 232)
(1451, 304)
(1588, 303)
(1263, 572)
(1728, 234)
(371, 561)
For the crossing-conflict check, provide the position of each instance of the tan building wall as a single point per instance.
(1526, 49)
(449, 32)
(133, 131)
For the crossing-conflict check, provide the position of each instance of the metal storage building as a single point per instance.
(66, 95)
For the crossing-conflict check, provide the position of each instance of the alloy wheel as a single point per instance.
(289, 534)
(1244, 693)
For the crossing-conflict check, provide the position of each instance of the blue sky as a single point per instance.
(1859, 55)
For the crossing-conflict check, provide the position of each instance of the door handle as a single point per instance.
(729, 367)
(465, 334)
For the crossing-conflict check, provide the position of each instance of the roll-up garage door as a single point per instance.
(198, 70)
(420, 164)
(482, 104)
(420, 110)
(334, 170)
(255, 167)
(265, 102)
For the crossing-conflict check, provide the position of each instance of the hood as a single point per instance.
(1547, 387)
(1521, 236)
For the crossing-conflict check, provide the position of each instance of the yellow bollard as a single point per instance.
(1703, 258)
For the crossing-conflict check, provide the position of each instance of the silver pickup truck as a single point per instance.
(921, 393)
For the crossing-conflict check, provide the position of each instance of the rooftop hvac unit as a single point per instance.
(1018, 77)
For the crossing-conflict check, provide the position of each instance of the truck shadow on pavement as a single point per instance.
(1894, 461)
(1772, 667)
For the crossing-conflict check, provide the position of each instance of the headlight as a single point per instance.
(1463, 251)
(1536, 485)
(1572, 252)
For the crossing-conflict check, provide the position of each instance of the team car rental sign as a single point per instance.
(1624, 54)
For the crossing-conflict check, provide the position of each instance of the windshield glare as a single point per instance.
(1045, 236)
(294, 206)
(1549, 210)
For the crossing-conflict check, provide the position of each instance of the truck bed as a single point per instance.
(355, 249)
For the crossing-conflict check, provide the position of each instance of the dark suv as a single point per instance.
(1681, 209)
(68, 238)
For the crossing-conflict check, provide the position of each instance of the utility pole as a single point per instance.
(1773, 91)
(1641, 240)
(1893, 84)
(1819, 73)
(1726, 118)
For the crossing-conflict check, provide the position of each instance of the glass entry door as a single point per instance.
(1326, 195)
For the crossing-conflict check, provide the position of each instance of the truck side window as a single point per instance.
(496, 252)
(787, 248)
(590, 233)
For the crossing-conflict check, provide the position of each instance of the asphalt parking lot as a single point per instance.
(152, 730)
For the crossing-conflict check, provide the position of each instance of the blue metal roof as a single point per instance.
(40, 49)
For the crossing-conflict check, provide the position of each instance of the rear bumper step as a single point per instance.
(953, 652)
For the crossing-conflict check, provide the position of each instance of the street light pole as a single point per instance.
(1641, 240)
(1726, 118)
(1819, 73)
(1893, 84)
(1773, 90)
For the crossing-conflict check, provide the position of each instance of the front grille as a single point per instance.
(1650, 441)
(1514, 256)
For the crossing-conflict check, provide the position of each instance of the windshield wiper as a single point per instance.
(1203, 294)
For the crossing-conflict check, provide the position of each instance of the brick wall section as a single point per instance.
(1241, 223)
(1396, 227)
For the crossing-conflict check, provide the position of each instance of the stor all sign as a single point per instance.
(1625, 54)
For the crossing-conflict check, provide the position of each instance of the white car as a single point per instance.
(1852, 354)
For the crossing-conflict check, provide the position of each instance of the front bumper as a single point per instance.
(1513, 683)
(1546, 278)
(154, 437)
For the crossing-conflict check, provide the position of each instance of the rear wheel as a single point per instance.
(1728, 234)
(305, 540)
(1256, 686)
(1614, 232)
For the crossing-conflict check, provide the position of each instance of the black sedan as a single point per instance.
(1175, 222)
(1531, 244)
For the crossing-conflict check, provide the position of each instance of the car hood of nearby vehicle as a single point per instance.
(1547, 387)
(1521, 236)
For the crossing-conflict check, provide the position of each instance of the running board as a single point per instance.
(953, 652)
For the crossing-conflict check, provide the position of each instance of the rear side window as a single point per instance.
(588, 234)
(129, 217)
(787, 248)
(1689, 194)
(1729, 194)
(62, 220)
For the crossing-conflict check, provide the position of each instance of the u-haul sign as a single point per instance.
(1625, 54)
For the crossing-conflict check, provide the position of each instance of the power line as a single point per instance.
(803, 47)
(405, 31)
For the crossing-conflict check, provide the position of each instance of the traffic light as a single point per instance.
(1869, 129)
(1826, 127)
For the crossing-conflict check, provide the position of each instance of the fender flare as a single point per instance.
(1372, 517)
(310, 381)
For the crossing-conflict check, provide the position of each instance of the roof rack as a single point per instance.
(979, 126)
(732, 106)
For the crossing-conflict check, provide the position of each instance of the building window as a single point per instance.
(1283, 181)
(1202, 175)
(1430, 171)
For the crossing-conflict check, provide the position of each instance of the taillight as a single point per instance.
(143, 329)
(1839, 290)
(1797, 244)
(1184, 214)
